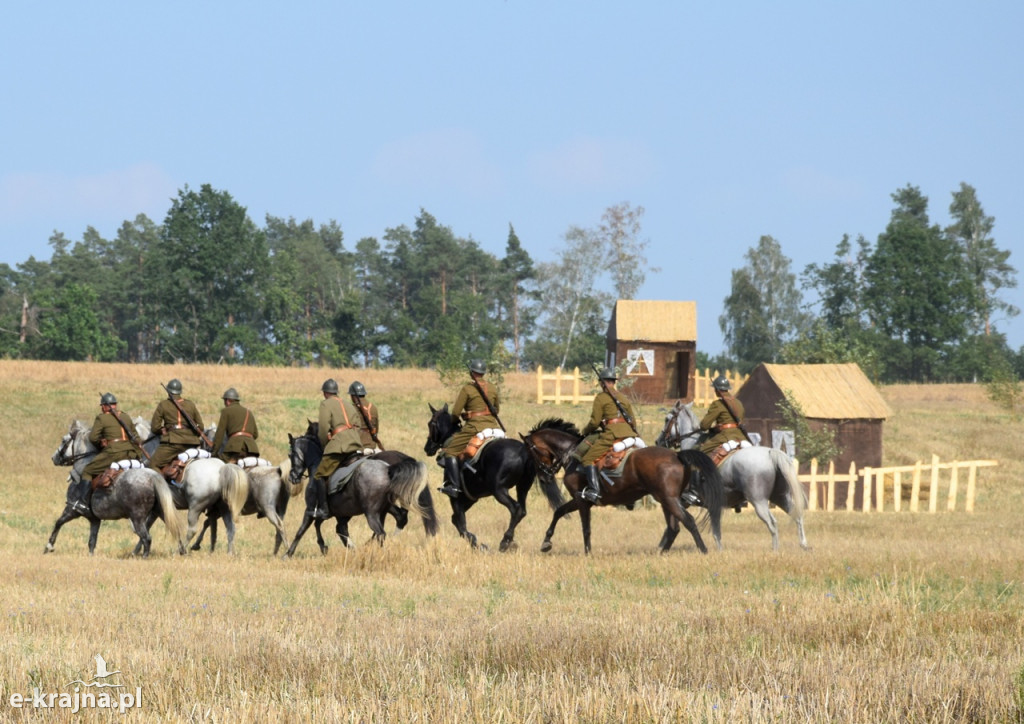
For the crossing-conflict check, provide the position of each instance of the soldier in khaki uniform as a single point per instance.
(340, 438)
(236, 430)
(176, 435)
(114, 435)
(721, 424)
(607, 424)
(477, 417)
(357, 391)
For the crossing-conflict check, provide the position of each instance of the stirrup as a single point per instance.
(689, 497)
(590, 495)
(320, 514)
(450, 490)
(80, 507)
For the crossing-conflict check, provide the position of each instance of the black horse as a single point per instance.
(403, 472)
(503, 463)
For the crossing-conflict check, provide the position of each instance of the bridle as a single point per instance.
(548, 470)
(297, 458)
(69, 442)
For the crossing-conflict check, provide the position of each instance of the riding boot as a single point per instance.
(321, 511)
(591, 493)
(690, 495)
(452, 476)
(83, 503)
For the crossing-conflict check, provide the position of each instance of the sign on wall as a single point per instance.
(640, 362)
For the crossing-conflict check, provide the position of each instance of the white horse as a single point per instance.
(139, 494)
(759, 475)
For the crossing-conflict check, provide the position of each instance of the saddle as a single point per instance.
(112, 473)
(341, 477)
(614, 459)
(720, 453)
(174, 471)
(476, 444)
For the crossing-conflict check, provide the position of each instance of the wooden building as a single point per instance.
(658, 341)
(839, 397)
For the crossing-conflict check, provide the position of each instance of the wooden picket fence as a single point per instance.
(881, 489)
(565, 386)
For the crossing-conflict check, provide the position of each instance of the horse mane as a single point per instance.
(78, 427)
(557, 423)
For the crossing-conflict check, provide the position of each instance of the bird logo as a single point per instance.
(101, 673)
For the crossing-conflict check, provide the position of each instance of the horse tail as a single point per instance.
(712, 491)
(234, 488)
(785, 472)
(167, 509)
(407, 479)
(285, 471)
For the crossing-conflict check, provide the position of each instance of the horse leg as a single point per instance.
(229, 526)
(341, 528)
(401, 516)
(765, 514)
(94, 532)
(376, 522)
(585, 525)
(193, 521)
(675, 513)
(145, 539)
(797, 515)
(199, 539)
(150, 519)
(516, 511)
(459, 521)
(307, 520)
(275, 520)
(68, 514)
(574, 503)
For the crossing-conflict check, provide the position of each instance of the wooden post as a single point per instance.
(812, 491)
(933, 492)
(865, 502)
(575, 385)
(972, 479)
(951, 502)
(897, 490)
(831, 486)
(540, 384)
(880, 491)
(851, 488)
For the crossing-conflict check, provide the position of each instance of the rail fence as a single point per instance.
(564, 387)
(894, 488)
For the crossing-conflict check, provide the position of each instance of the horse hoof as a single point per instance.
(507, 545)
(48, 548)
(545, 547)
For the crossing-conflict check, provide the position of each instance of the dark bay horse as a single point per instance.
(136, 494)
(504, 463)
(654, 471)
(374, 488)
(760, 475)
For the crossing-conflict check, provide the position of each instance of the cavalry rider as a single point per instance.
(367, 415)
(236, 430)
(607, 424)
(340, 439)
(176, 432)
(477, 415)
(114, 435)
(723, 419)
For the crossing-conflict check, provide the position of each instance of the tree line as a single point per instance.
(207, 284)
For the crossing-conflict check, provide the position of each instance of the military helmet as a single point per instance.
(478, 366)
(330, 386)
(357, 389)
(174, 386)
(721, 383)
(607, 373)
(230, 394)
(108, 399)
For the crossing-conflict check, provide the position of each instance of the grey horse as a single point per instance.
(137, 494)
(758, 475)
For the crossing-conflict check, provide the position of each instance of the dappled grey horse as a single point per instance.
(759, 475)
(137, 494)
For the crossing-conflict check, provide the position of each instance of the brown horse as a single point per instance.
(654, 471)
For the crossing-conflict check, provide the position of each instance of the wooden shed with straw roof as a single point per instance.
(838, 397)
(658, 343)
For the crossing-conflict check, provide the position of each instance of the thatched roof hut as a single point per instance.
(659, 341)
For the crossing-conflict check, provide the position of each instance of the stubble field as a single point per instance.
(891, 617)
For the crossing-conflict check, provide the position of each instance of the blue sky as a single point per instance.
(725, 121)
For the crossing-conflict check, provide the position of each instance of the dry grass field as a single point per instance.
(889, 618)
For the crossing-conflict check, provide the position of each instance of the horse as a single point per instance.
(310, 452)
(654, 471)
(136, 494)
(758, 475)
(375, 486)
(503, 463)
(205, 483)
(269, 493)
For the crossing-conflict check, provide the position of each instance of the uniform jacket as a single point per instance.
(718, 415)
(604, 411)
(370, 411)
(470, 406)
(108, 435)
(340, 425)
(237, 430)
(166, 417)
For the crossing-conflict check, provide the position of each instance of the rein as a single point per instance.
(72, 459)
(304, 469)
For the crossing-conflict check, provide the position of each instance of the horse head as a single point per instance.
(74, 445)
(297, 448)
(440, 427)
(681, 428)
